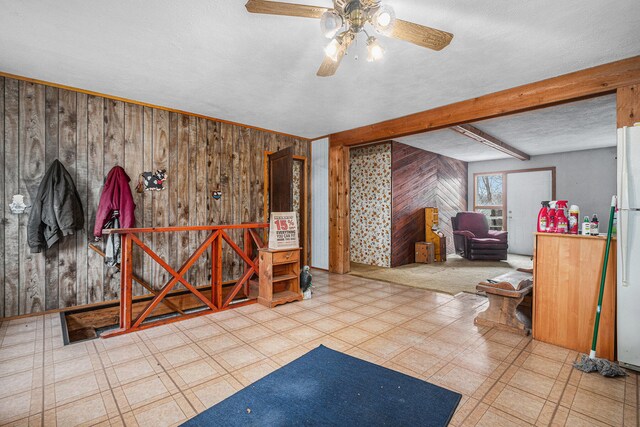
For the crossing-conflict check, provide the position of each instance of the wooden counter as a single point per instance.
(567, 271)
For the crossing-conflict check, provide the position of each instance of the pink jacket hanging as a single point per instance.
(116, 195)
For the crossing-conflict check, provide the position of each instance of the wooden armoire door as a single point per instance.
(281, 181)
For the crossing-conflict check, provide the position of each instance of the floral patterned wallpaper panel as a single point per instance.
(371, 204)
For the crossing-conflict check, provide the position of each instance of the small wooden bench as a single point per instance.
(506, 294)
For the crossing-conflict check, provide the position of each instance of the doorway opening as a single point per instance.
(511, 199)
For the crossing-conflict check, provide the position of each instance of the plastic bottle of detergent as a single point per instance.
(574, 219)
(551, 224)
(543, 217)
(562, 222)
(586, 226)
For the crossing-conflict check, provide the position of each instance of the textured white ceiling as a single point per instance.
(212, 57)
(580, 125)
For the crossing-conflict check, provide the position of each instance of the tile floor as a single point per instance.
(165, 375)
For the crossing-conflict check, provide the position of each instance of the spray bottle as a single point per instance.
(562, 223)
(551, 224)
(543, 217)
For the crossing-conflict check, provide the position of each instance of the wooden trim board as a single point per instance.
(628, 105)
(590, 82)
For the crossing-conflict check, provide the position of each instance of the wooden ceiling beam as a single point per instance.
(568, 87)
(482, 137)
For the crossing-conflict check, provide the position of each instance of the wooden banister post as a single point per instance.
(248, 250)
(216, 272)
(126, 277)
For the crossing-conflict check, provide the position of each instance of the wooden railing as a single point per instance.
(218, 235)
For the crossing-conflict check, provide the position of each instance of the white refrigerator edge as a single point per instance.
(628, 247)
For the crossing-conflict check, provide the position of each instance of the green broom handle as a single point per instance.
(603, 277)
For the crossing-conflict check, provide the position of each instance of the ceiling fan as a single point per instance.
(347, 19)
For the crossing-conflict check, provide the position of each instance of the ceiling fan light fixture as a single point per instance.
(330, 23)
(383, 19)
(332, 50)
(374, 49)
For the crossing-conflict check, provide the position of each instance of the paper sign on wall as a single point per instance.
(283, 231)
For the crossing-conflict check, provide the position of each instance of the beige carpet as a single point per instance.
(454, 276)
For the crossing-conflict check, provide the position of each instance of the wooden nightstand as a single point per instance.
(279, 276)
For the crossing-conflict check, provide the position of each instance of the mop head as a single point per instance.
(606, 368)
(586, 364)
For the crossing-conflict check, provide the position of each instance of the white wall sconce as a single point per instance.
(17, 205)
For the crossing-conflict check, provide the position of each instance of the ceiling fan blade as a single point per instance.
(329, 67)
(286, 9)
(420, 35)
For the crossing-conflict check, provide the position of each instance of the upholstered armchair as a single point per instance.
(473, 239)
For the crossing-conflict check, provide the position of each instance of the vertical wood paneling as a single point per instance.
(214, 159)
(148, 198)
(82, 172)
(257, 175)
(174, 189)
(134, 164)
(95, 180)
(31, 163)
(201, 201)
(227, 133)
(90, 135)
(244, 180)
(11, 179)
(160, 198)
(2, 195)
(181, 180)
(235, 197)
(192, 171)
(242, 184)
(51, 153)
(113, 156)
(67, 256)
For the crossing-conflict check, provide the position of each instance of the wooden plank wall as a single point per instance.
(414, 175)
(421, 179)
(91, 134)
(452, 194)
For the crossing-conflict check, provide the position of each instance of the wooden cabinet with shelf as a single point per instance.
(279, 276)
(567, 271)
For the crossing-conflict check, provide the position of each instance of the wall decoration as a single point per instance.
(152, 181)
(371, 204)
(17, 205)
(217, 194)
